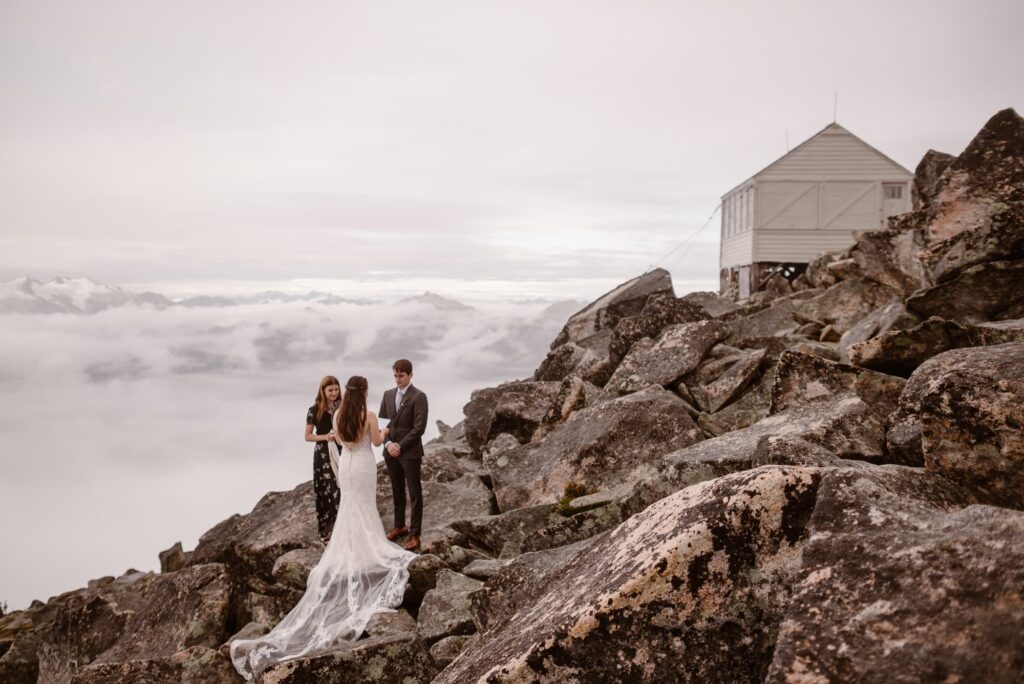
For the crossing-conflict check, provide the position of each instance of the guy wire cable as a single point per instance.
(685, 243)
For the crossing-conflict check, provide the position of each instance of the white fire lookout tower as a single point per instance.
(811, 200)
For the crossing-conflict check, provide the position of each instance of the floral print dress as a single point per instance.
(325, 486)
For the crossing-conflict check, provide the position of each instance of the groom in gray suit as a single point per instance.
(406, 408)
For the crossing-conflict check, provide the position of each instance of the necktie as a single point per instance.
(398, 399)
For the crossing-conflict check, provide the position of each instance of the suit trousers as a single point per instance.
(405, 473)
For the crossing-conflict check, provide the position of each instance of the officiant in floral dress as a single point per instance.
(319, 431)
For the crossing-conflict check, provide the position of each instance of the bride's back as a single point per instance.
(356, 466)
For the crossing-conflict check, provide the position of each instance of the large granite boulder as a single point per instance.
(891, 257)
(446, 609)
(173, 612)
(390, 623)
(926, 178)
(891, 317)
(377, 660)
(771, 321)
(997, 235)
(251, 544)
(448, 649)
(661, 311)
(292, 569)
(423, 572)
(822, 412)
(740, 370)
(969, 213)
(580, 522)
(971, 411)
(174, 558)
(665, 360)
(900, 582)
(602, 315)
(493, 533)
(534, 528)
(80, 632)
(450, 434)
(903, 438)
(484, 568)
(803, 379)
(137, 616)
(990, 170)
(515, 408)
(22, 631)
(19, 663)
(570, 359)
(845, 427)
(899, 352)
(195, 665)
(716, 361)
(516, 583)
(693, 589)
(753, 404)
(573, 394)
(846, 302)
(715, 304)
(597, 448)
(977, 294)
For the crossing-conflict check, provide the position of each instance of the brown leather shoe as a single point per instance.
(397, 532)
(413, 544)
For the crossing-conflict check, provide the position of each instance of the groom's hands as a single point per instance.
(394, 449)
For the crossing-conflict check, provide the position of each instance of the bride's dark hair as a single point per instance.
(352, 415)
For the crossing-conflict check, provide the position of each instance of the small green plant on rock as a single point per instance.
(573, 490)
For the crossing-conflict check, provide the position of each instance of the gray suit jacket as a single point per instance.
(408, 423)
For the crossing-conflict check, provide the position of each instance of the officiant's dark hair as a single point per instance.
(402, 366)
(352, 415)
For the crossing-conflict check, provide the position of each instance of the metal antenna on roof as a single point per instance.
(835, 106)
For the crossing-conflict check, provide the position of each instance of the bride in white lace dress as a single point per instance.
(360, 572)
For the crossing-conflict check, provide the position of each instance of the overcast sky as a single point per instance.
(151, 142)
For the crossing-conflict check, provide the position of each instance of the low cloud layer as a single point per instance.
(127, 430)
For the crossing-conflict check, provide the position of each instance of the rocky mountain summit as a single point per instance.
(822, 484)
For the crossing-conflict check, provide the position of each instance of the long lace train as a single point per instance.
(359, 574)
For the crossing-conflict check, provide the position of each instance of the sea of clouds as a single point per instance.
(127, 430)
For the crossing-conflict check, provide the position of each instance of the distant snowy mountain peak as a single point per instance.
(81, 295)
(437, 301)
(69, 295)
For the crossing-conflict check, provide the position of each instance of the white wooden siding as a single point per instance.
(737, 250)
(850, 205)
(794, 246)
(788, 204)
(835, 153)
